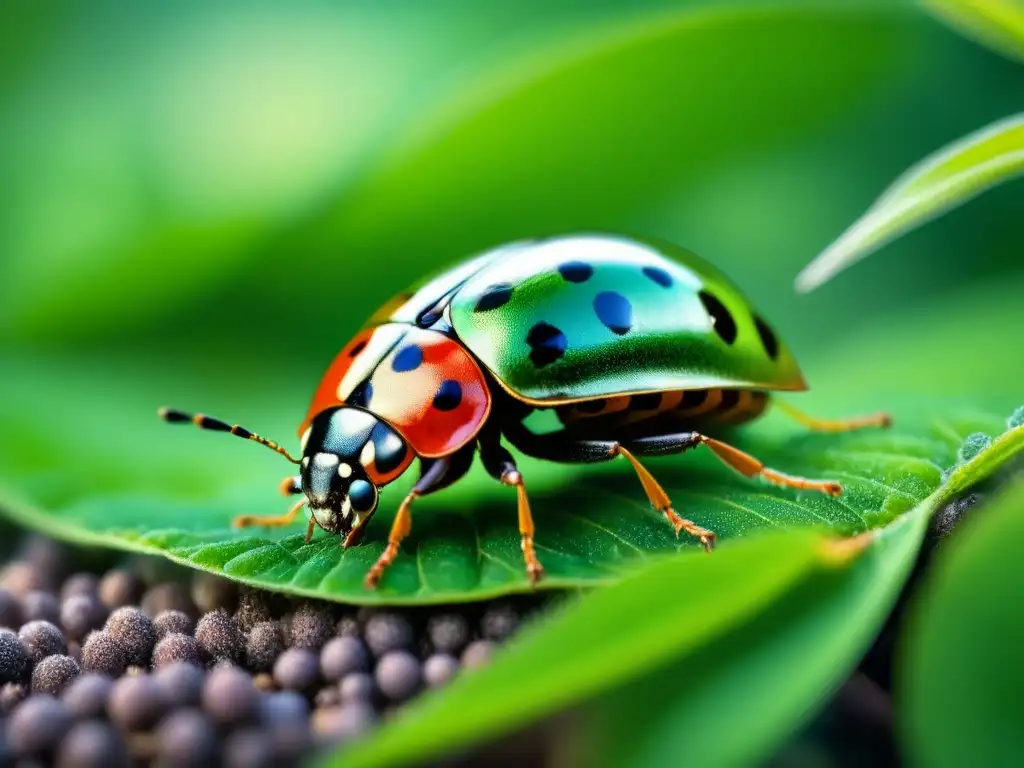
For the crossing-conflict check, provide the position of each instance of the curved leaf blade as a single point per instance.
(949, 178)
(773, 604)
(793, 655)
(581, 135)
(129, 481)
(962, 676)
(177, 497)
(999, 24)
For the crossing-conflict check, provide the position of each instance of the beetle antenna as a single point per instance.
(203, 421)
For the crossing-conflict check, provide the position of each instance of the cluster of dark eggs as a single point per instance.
(119, 668)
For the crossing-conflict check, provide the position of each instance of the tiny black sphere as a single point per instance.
(172, 621)
(136, 703)
(104, 653)
(41, 639)
(399, 675)
(53, 674)
(177, 647)
(92, 744)
(136, 633)
(297, 669)
(80, 614)
(386, 631)
(41, 606)
(186, 739)
(182, 684)
(448, 632)
(14, 662)
(219, 637)
(229, 695)
(264, 645)
(311, 626)
(87, 695)
(119, 587)
(38, 725)
(343, 655)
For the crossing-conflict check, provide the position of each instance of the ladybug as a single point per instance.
(638, 348)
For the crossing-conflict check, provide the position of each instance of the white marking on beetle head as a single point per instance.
(346, 507)
(326, 460)
(305, 462)
(368, 454)
(305, 439)
(344, 470)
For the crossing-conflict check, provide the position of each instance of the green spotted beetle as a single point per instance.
(639, 349)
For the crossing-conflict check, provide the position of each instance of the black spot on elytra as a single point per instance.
(429, 317)
(495, 296)
(721, 319)
(547, 344)
(646, 402)
(408, 358)
(576, 271)
(693, 398)
(771, 343)
(389, 451)
(361, 395)
(592, 406)
(448, 396)
(357, 348)
(730, 397)
(658, 275)
(614, 310)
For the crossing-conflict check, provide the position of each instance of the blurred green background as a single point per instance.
(201, 202)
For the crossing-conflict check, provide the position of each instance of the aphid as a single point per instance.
(638, 349)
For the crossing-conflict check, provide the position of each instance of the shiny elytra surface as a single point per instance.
(590, 316)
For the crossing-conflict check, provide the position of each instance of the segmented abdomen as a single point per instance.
(694, 408)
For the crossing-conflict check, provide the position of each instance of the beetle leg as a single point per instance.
(661, 502)
(834, 425)
(244, 521)
(732, 457)
(435, 475)
(291, 486)
(399, 530)
(499, 464)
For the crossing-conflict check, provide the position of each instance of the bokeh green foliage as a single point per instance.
(960, 672)
(202, 201)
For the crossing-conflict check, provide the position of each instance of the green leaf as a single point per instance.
(944, 180)
(776, 618)
(999, 24)
(583, 134)
(793, 654)
(961, 672)
(128, 480)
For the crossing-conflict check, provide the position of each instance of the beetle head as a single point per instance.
(347, 454)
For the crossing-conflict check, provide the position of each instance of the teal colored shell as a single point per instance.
(590, 316)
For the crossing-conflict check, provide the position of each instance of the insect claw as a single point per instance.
(535, 572)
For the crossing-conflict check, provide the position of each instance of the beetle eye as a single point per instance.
(362, 495)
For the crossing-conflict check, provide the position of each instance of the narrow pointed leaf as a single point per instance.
(942, 181)
(999, 24)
